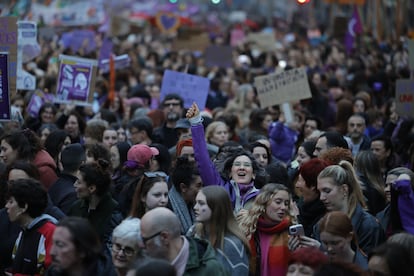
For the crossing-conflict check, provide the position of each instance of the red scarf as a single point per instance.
(273, 239)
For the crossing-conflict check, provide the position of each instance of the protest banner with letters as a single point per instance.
(404, 98)
(76, 80)
(8, 43)
(282, 87)
(5, 113)
(191, 88)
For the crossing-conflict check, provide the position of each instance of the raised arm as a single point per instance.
(208, 171)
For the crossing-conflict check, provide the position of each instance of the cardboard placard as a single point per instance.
(76, 80)
(8, 43)
(264, 41)
(282, 87)
(404, 97)
(221, 56)
(191, 88)
(197, 42)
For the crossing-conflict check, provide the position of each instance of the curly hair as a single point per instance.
(248, 221)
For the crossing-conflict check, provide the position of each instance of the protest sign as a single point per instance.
(404, 97)
(76, 80)
(191, 88)
(237, 37)
(79, 39)
(282, 87)
(264, 41)
(196, 42)
(5, 113)
(37, 100)
(221, 56)
(121, 62)
(27, 49)
(8, 43)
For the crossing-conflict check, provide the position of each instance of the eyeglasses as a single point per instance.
(171, 104)
(145, 240)
(128, 251)
(155, 174)
(244, 164)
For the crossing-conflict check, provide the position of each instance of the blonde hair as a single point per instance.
(248, 222)
(344, 173)
(212, 127)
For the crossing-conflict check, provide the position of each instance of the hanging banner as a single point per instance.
(4, 88)
(76, 80)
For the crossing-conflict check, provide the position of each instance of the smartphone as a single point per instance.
(296, 230)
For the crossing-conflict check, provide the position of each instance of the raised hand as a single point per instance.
(193, 111)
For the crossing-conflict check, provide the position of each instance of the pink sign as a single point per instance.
(236, 37)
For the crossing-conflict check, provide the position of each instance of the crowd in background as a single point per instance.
(144, 185)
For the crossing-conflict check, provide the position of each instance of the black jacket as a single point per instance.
(63, 193)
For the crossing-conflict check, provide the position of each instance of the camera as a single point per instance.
(296, 230)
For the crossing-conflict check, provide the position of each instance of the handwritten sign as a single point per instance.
(76, 80)
(5, 113)
(264, 41)
(221, 56)
(282, 87)
(191, 88)
(8, 43)
(404, 97)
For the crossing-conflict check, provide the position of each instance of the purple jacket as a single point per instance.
(282, 140)
(209, 174)
(406, 204)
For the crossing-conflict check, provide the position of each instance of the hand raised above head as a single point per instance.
(193, 111)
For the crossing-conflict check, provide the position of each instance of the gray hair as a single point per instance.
(129, 228)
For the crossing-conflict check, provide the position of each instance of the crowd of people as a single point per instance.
(147, 186)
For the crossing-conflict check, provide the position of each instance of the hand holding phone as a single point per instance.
(296, 230)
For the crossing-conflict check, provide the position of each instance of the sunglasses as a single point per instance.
(155, 174)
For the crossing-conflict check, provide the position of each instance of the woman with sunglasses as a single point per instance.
(151, 192)
(240, 172)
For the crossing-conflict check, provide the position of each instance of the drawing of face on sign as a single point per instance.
(81, 81)
(68, 72)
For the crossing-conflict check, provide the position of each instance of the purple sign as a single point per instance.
(191, 88)
(78, 39)
(221, 56)
(106, 50)
(74, 81)
(36, 102)
(4, 88)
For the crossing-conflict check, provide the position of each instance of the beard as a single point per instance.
(172, 117)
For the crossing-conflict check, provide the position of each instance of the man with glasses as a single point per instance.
(172, 107)
(161, 235)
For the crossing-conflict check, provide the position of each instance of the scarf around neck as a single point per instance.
(272, 228)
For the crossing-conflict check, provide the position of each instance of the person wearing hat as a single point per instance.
(139, 158)
(62, 192)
